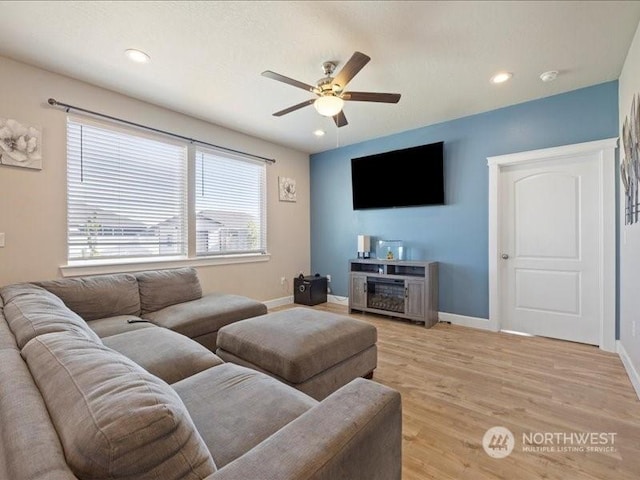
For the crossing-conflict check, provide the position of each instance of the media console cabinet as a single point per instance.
(403, 289)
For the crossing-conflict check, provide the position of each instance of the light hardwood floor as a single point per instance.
(457, 382)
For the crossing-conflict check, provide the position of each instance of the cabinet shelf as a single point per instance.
(404, 289)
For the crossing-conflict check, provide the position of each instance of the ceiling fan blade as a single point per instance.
(340, 119)
(294, 108)
(287, 80)
(351, 68)
(371, 97)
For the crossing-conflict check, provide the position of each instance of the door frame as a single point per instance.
(607, 223)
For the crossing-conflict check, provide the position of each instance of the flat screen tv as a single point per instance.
(400, 178)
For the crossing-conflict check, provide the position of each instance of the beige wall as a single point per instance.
(629, 84)
(33, 203)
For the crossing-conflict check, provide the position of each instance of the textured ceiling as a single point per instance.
(207, 57)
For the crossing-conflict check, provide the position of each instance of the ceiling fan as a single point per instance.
(330, 91)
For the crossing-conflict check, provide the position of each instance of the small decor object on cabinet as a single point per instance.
(364, 246)
(390, 250)
(287, 189)
(20, 145)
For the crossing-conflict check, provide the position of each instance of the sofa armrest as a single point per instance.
(355, 433)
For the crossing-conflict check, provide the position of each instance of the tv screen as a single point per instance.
(400, 178)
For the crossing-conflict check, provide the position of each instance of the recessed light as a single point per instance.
(318, 133)
(549, 76)
(137, 55)
(501, 77)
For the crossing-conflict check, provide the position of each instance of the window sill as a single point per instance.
(94, 267)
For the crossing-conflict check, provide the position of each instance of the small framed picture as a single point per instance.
(287, 188)
(20, 144)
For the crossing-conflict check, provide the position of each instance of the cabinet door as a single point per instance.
(414, 299)
(358, 292)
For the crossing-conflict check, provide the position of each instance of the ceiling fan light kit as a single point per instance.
(328, 105)
(330, 91)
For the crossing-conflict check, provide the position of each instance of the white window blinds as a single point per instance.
(230, 200)
(126, 194)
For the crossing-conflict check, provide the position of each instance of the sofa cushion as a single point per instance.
(98, 296)
(235, 408)
(10, 292)
(106, 327)
(113, 418)
(31, 311)
(29, 445)
(161, 288)
(163, 353)
(207, 314)
(7, 340)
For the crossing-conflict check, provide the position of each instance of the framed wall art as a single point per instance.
(287, 187)
(20, 144)
(630, 163)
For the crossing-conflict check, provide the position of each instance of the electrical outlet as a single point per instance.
(328, 278)
(282, 280)
(1, 239)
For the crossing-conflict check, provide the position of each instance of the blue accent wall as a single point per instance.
(454, 234)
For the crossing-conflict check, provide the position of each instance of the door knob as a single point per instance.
(505, 256)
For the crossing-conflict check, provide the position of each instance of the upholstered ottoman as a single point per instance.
(314, 351)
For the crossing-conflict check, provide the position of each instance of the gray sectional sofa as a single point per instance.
(169, 298)
(113, 377)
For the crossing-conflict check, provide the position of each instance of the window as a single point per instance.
(127, 197)
(230, 207)
(126, 194)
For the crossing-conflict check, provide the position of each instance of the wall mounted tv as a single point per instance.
(400, 178)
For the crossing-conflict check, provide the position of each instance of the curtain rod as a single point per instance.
(54, 103)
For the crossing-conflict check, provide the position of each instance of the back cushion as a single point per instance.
(114, 419)
(161, 288)
(7, 340)
(29, 445)
(98, 296)
(31, 311)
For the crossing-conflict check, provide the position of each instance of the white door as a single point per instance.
(551, 248)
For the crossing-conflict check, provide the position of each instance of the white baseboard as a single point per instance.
(337, 299)
(279, 302)
(464, 321)
(634, 376)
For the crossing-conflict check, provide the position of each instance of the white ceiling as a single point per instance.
(207, 57)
